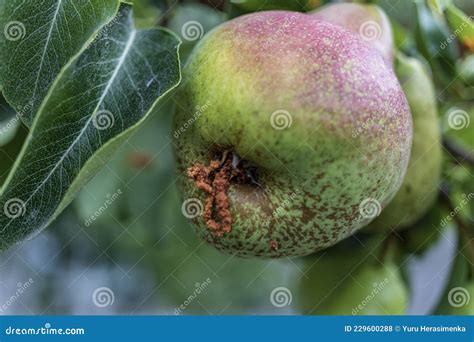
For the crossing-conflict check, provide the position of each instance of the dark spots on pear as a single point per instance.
(321, 215)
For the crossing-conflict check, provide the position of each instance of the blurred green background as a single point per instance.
(126, 235)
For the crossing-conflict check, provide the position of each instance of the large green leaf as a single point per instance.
(39, 38)
(462, 25)
(435, 43)
(96, 103)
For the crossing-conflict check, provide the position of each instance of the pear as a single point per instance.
(264, 134)
(368, 21)
(345, 281)
(419, 190)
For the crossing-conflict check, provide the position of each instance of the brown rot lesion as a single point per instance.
(224, 169)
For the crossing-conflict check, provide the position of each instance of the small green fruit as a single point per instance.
(419, 190)
(265, 139)
(368, 21)
(422, 236)
(348, 282)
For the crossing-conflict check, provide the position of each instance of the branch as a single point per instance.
(458, 152)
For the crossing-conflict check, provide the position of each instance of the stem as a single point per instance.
(388, 252)
(458, 152)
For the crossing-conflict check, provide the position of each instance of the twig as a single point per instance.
(458, 152)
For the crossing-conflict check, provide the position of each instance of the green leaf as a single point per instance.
(39, 38)
(435, 43)
(462, 25)
(97, 102)
(439, 5)
(247, 6)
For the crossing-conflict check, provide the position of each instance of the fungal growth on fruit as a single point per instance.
(214, 180)
(317, 119)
